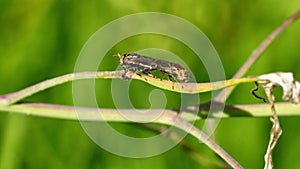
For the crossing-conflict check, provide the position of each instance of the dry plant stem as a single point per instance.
(186, 126)
(169, 117)
(92, 114)
(275, 131)
(256, 54)
(196, 155)
(11, 98)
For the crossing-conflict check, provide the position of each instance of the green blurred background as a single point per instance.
(42, 39)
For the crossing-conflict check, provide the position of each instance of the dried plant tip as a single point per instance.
(291, 88)
(276, 79)
(274, 136)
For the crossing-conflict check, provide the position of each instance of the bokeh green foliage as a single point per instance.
(42, 39)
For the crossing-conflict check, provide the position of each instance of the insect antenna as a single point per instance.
(117, 55)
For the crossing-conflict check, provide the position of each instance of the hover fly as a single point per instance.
(135, 63)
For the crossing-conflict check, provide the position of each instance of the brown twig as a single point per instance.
(223, 95)
(196, 155)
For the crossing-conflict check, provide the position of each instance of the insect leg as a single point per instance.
(147, 72)
(127, 74)
(162, 75)
(169, 77)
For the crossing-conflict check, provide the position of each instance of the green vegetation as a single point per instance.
(42, 39)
